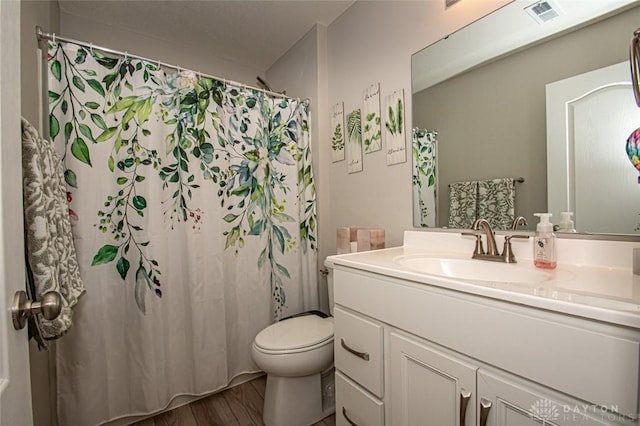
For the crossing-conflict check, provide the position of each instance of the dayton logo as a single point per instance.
(544, 410)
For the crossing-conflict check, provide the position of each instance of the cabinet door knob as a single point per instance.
(363, 355)
(465, 396)
(344, 414)
(485, 406)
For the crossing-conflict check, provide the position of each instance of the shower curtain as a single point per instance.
(193, 211)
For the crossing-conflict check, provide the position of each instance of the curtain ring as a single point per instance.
(179, 70)
(158, 64)
(91, 48)
(126, 56)
(54, 38)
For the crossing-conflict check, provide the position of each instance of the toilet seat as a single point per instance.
(294, 335)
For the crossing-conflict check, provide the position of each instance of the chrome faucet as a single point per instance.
(507, 255)
(492, 249)
(518, 221)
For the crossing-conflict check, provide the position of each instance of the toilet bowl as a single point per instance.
(294, 353)
(297, 355)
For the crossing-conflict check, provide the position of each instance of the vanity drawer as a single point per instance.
(358, 349)
(355, 406)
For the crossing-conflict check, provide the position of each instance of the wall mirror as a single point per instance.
(483, 89)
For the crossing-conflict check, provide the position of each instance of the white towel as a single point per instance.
(50, 252)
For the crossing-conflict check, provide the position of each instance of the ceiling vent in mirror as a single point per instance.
(544, 11)
(449, 3)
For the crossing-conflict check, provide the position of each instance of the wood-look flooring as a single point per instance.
(238, 406)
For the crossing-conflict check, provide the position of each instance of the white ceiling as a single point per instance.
(250, 33)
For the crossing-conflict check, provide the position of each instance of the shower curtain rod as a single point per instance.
(40, 34)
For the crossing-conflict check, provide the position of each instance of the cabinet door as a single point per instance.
(502, 402)
(429, 387)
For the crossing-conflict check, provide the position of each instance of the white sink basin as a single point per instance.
(472, 269)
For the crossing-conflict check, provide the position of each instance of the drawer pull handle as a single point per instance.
(465, 396)
(363, 355)
(485, 406)
(344, 414)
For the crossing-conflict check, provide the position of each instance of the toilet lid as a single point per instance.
(295, 333)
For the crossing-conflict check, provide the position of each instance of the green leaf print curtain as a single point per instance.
(193, 212)
(424, 177)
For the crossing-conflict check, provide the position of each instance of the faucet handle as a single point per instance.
(479, 248)
(519, 236)
(507, 251)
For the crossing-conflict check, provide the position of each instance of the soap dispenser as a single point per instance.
(544, 243)
(566, 224)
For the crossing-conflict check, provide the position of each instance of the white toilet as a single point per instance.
(295, 353)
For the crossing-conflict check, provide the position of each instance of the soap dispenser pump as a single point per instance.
(544, 243)
(566, 224)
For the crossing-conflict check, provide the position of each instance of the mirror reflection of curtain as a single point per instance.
(424, 154)
(193, 210)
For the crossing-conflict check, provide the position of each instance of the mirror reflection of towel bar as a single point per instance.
(518, 179)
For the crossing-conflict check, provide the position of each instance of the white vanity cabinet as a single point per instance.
(507, 401)
(409, 353)
(428, 386)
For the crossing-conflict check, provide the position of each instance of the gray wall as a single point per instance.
(33, 13)
(197, 57)
(373, 42)
(491, 121)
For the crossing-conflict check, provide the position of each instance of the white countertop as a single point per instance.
(609, 293)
